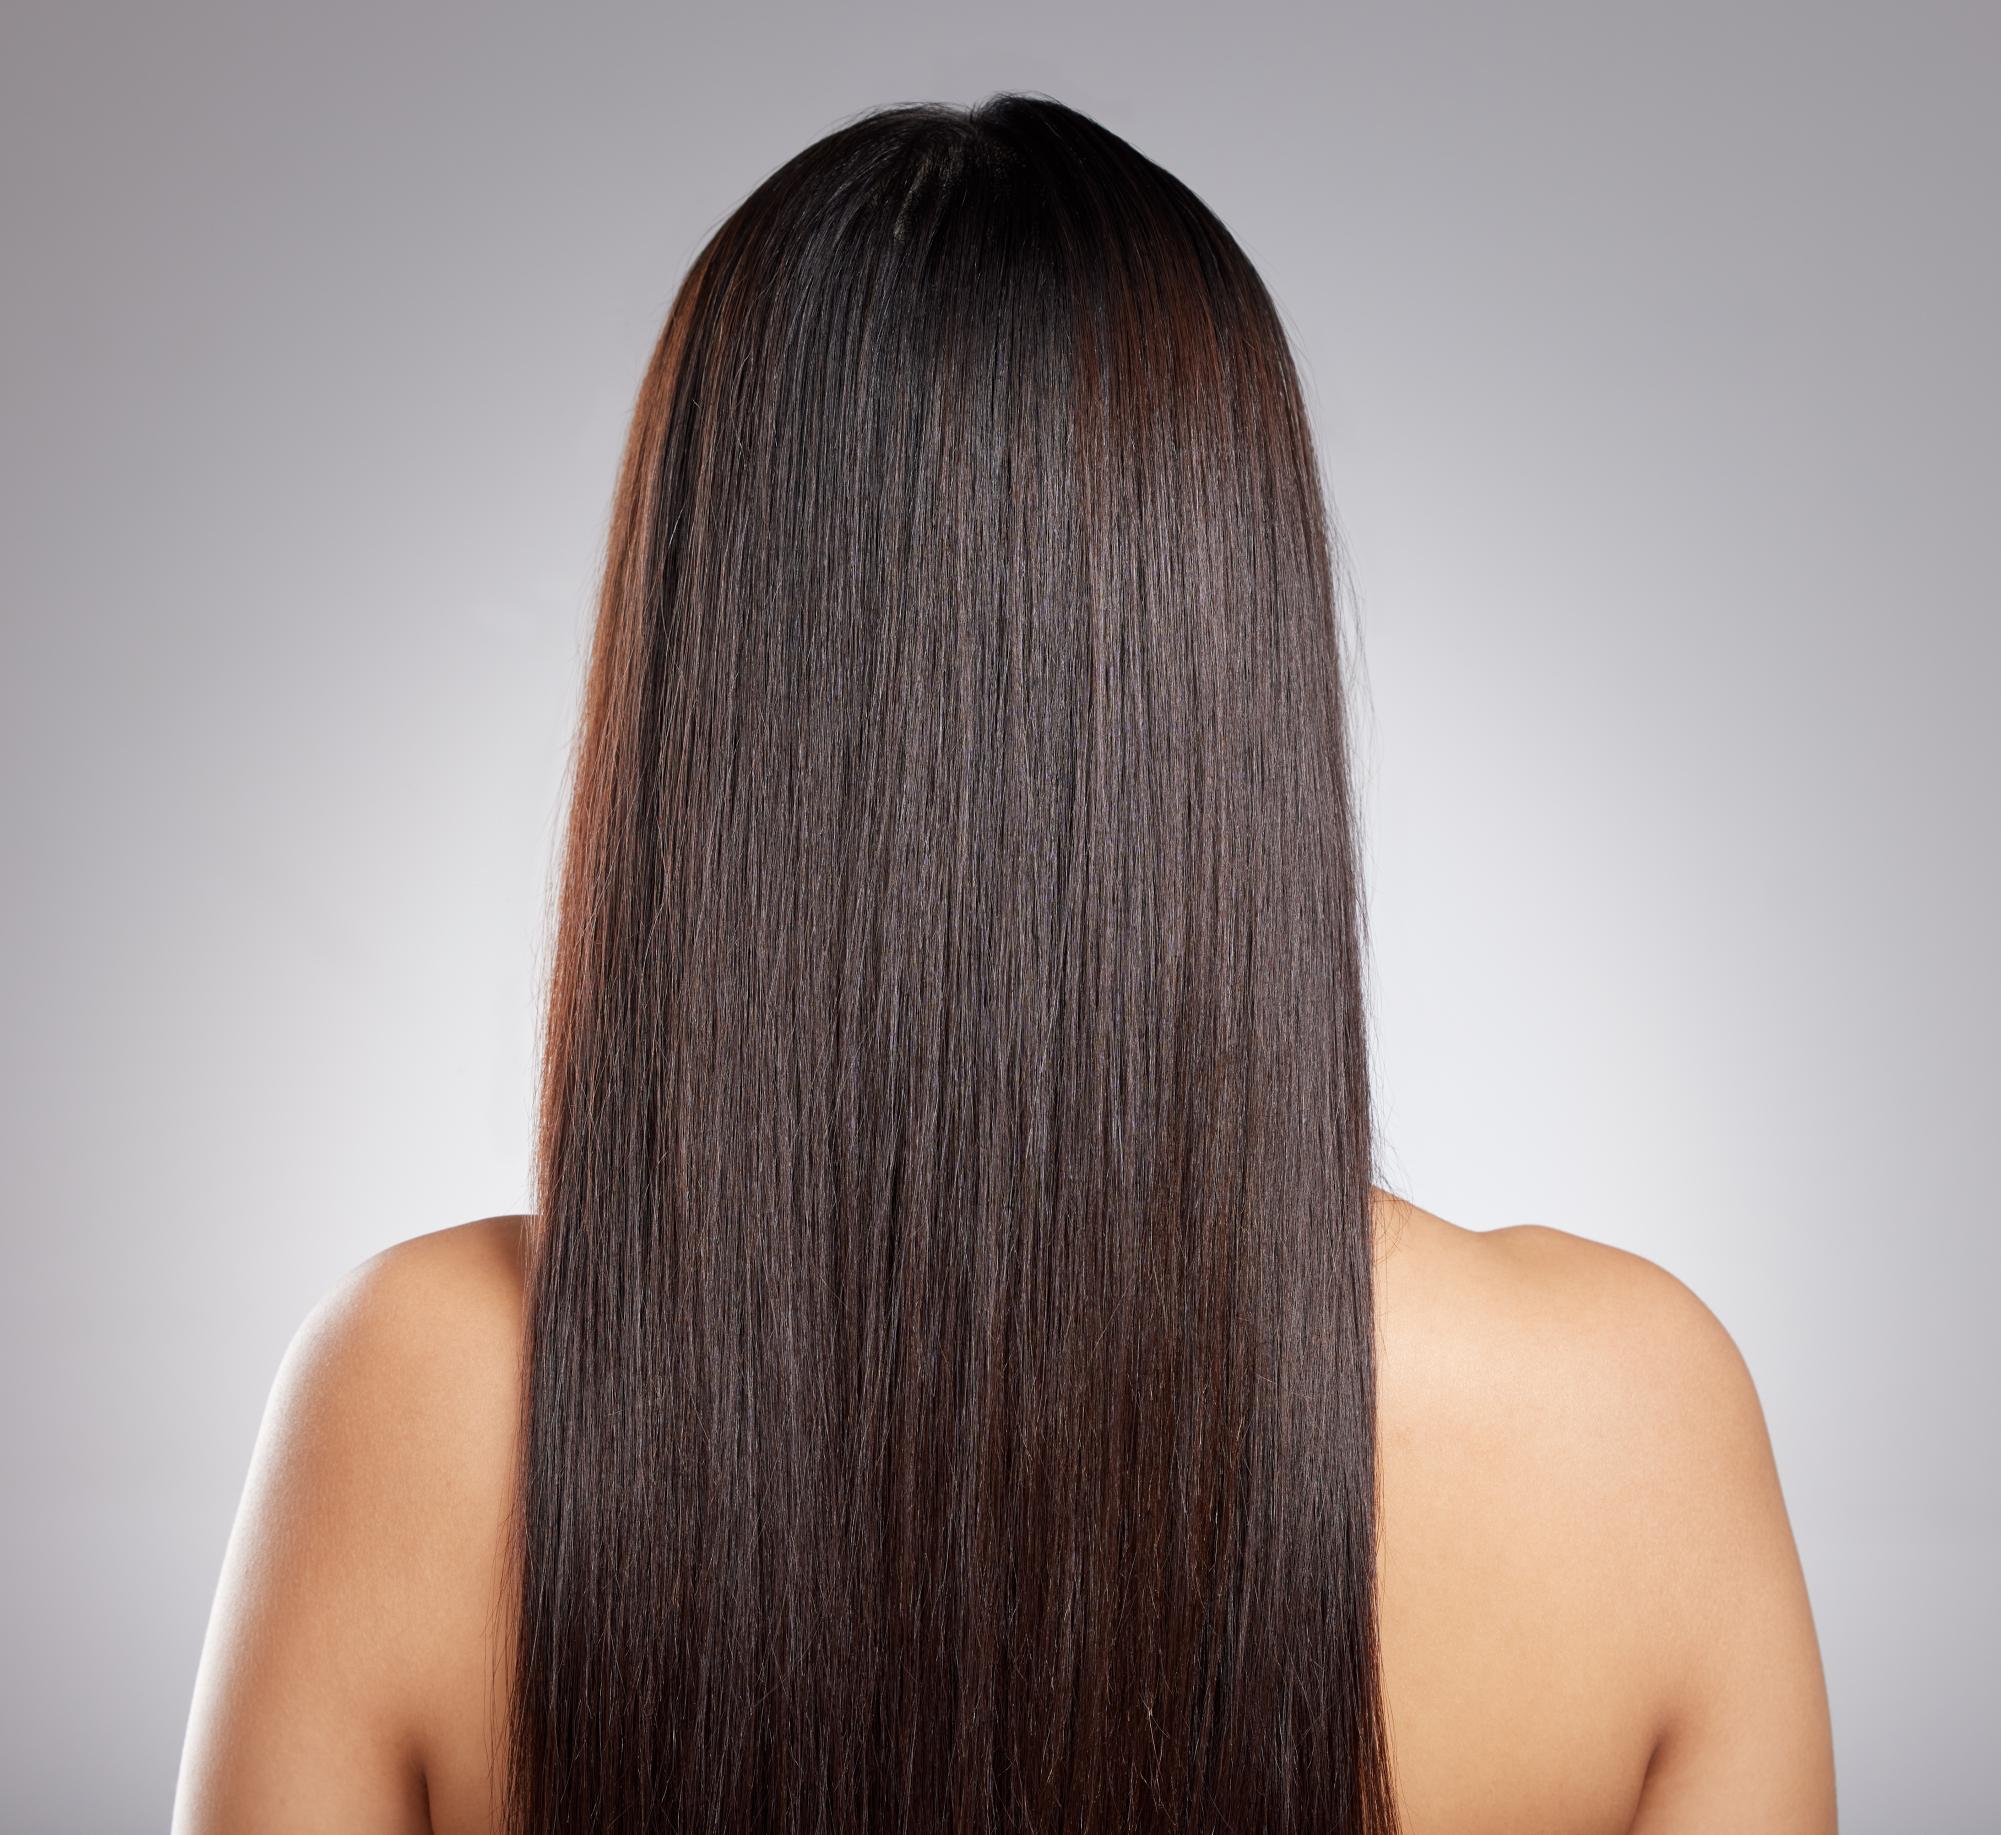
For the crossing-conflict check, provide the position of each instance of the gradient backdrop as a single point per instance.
(1653, 356)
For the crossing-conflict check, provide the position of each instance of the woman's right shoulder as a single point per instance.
(1562, 1317)
(1580, 1496)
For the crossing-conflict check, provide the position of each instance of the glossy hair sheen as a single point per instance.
(950, 1397)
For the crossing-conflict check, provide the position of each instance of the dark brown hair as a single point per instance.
(951, 1399)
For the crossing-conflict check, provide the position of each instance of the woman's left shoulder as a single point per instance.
(465, 1279)
(353, 1630)
(414, 1352)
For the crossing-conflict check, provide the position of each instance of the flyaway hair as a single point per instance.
(950, 1394)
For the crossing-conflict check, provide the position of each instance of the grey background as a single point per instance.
(1652, 352)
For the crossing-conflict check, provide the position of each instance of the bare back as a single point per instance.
(1592, 1613)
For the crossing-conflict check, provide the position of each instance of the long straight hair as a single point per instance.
(950, 1396)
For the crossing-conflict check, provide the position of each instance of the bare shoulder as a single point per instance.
(1552, 1309)
(1577, 1473)
(355, 1623)
(402, 1385)
(448, 1293)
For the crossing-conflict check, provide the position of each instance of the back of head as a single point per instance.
(950, 1396)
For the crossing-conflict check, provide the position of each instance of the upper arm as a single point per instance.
(1743, 1741)
(366, 1522)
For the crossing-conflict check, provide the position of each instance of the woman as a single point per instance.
(960, 1374)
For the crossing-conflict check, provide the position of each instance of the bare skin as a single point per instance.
(1593, 1614)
